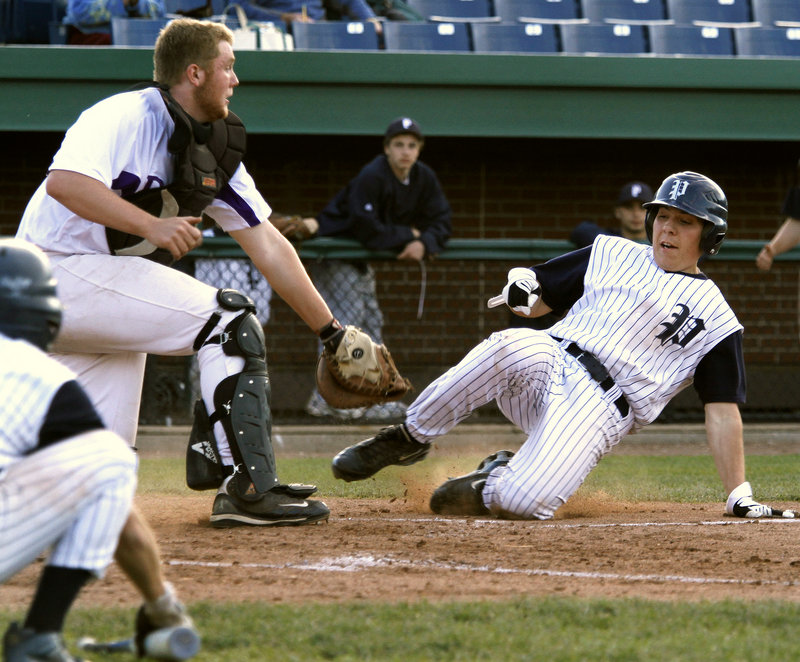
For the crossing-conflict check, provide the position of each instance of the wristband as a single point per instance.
(331, 335)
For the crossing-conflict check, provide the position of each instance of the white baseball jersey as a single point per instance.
(65, 482)
(649, 328)
(122, 142)
(118, 309)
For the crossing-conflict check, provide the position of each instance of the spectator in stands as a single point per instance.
(787, 236)
(394, 203)
(89, 21)
(392, 10)
(308, 12)
(628, 212)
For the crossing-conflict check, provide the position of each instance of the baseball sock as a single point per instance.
(58, 587)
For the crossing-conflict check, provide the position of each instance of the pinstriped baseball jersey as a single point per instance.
(65, 482)
(28, 382)
(648, 327)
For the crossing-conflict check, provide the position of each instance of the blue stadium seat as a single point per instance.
(136, 31)
(514, 38)
(768, 12)
(710, 11)
(58, 33)
(603, 38)
(599, 11)
(335, 35)
(691, 40)
(408, 36)
(767, 42)
(445, 10)
(511, 10)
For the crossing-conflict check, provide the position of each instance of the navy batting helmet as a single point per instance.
(699, 196)
(29, 307)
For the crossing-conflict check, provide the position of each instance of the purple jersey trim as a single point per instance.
(231, 197)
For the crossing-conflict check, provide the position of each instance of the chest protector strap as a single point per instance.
(206, 157)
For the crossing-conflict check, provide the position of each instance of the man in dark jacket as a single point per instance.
(395, 203)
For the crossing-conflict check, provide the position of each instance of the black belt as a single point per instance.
(598, 373)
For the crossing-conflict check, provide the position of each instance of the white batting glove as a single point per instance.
(741, 504)
(522, 290)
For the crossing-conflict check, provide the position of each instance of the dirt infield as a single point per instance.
(396, 550)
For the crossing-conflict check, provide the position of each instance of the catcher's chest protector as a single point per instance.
(206, 156)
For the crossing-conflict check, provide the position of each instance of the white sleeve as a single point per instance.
(123, 135)
(239, 205)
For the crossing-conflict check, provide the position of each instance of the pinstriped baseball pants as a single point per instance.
(73, 496)
(570, 422)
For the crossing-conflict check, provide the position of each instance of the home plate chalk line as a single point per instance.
(362, 562)
(358, 563)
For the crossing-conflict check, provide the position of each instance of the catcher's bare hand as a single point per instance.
(177, 234)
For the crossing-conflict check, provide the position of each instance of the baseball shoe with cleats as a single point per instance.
(464, 495)
(392, 445)
(283, 505)
(26, 645)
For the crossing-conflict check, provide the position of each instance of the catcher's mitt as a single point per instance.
(295, 227)
(359, 373)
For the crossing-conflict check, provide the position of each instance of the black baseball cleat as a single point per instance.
(25, 645)
(464, 495)
(392, 445)
(281, 506)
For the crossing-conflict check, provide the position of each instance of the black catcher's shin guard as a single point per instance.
(203, 465)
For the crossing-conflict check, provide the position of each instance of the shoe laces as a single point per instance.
(389, 441)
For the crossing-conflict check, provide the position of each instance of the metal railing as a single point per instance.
(526, 250)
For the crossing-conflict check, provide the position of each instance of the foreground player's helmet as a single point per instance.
(29, 307)
(697, 195)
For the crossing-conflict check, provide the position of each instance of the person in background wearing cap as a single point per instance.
(628, 212)
(395, 203)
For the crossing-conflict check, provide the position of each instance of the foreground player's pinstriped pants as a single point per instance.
(73, 496)
(570, 422)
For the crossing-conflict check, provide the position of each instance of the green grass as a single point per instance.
(548, 629)
(684, 479)
(551, 629)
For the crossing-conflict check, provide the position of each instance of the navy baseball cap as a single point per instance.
(403, 125)
(635, 191)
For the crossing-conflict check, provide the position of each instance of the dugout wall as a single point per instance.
(525, 148)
